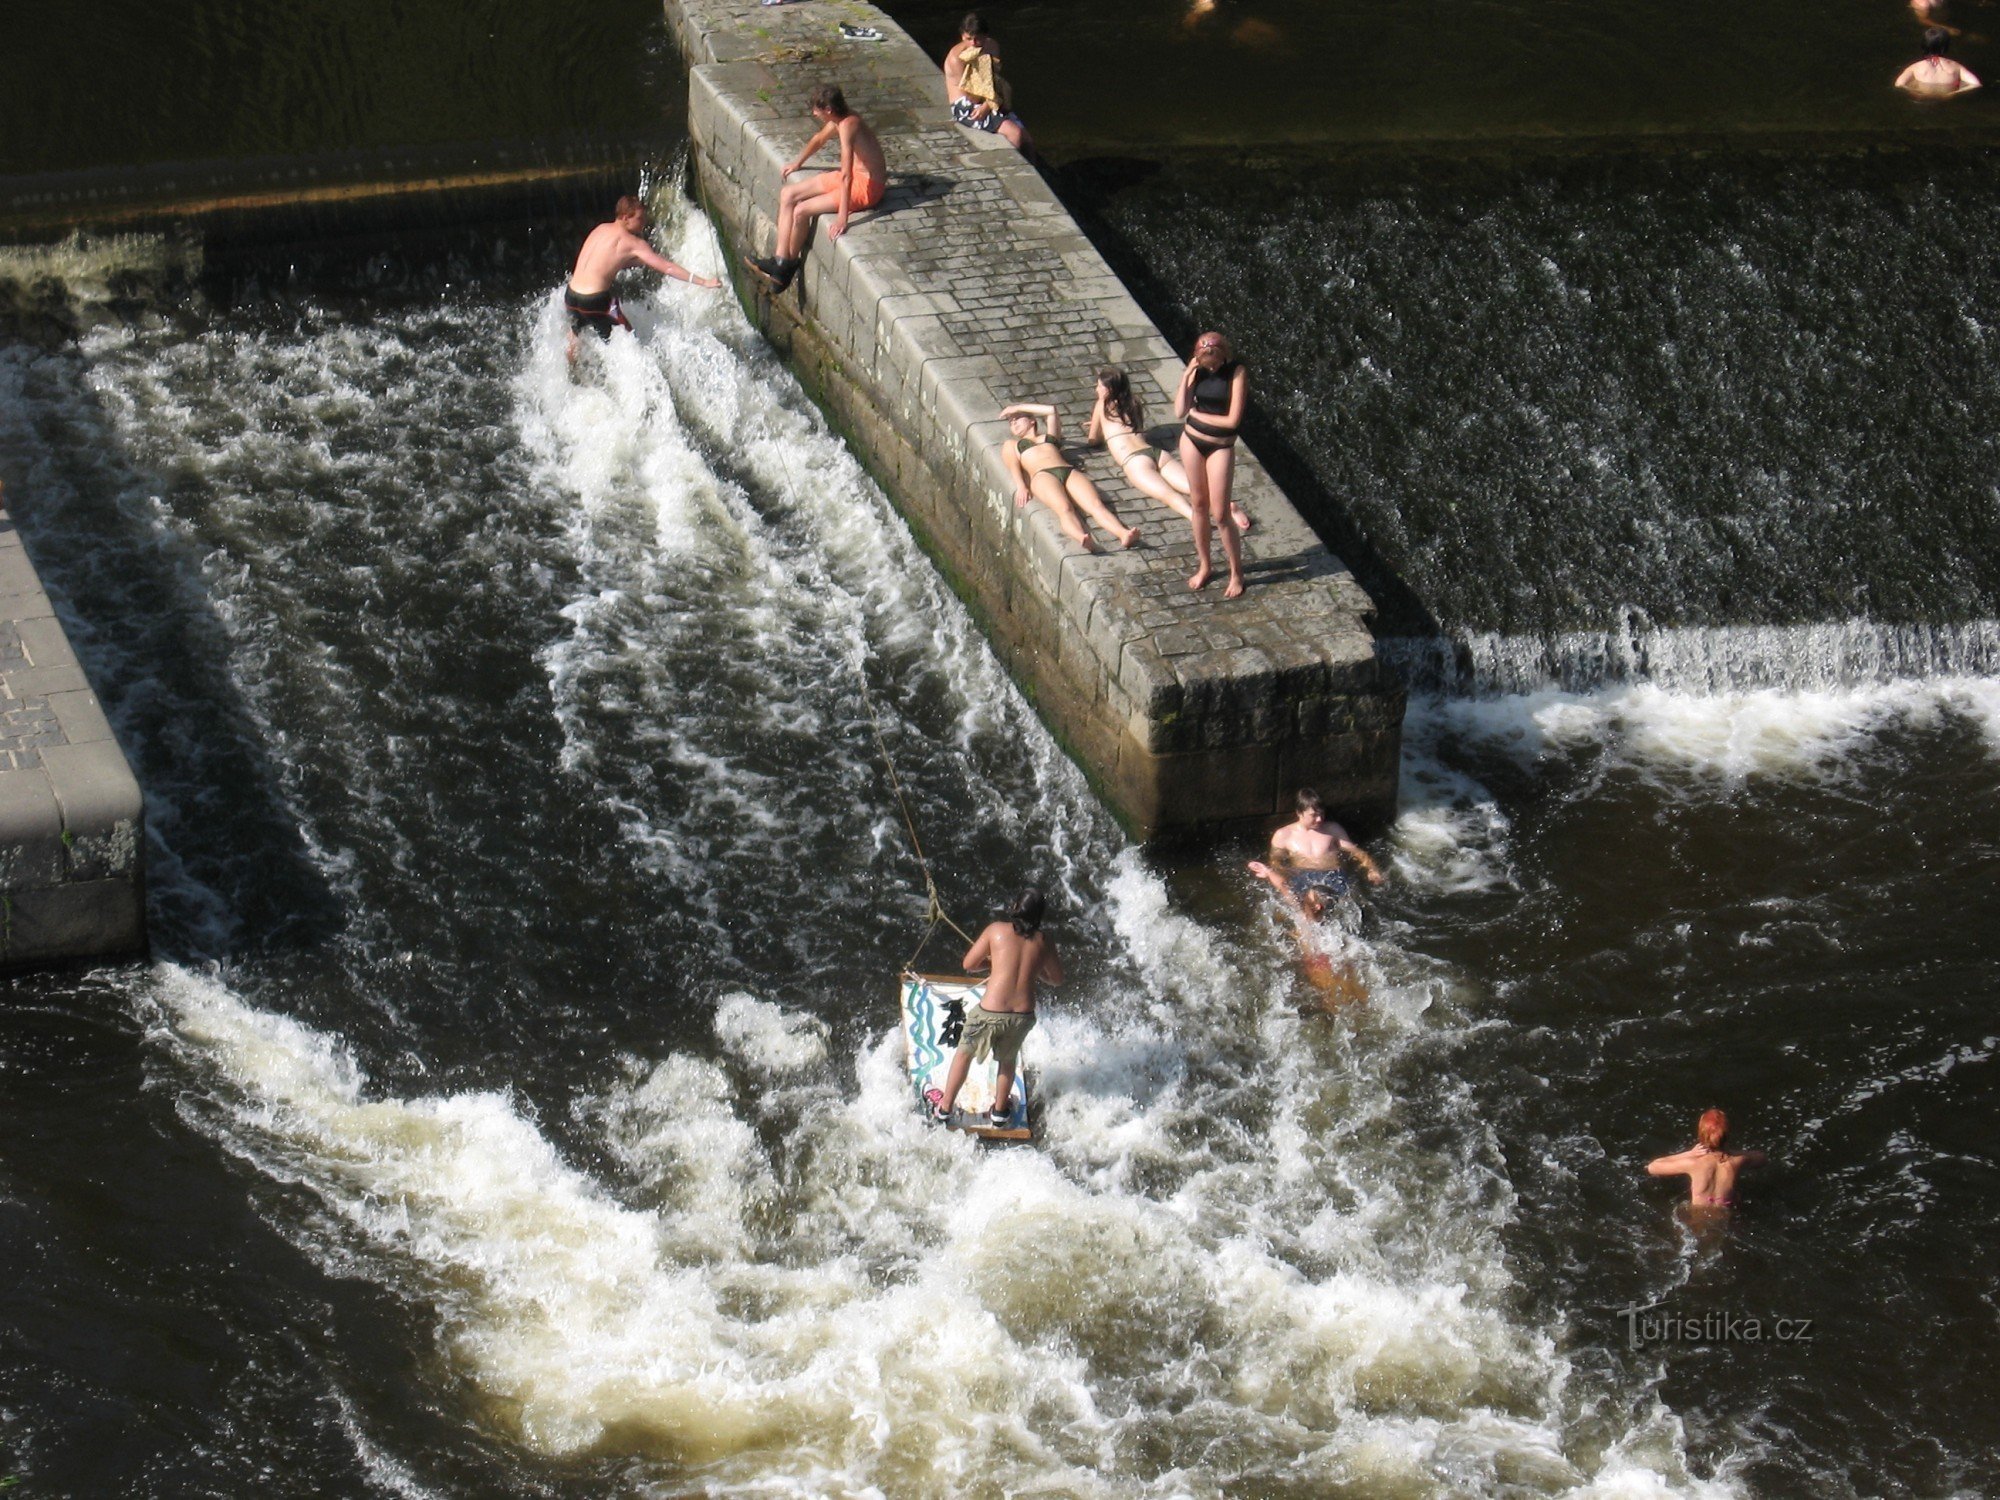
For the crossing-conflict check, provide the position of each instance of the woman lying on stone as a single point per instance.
(1035, 458)
(1118, 425)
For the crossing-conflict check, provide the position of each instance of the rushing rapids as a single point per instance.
(514, 1107)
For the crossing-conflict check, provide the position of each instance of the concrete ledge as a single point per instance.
(970, 287)
(72, 820)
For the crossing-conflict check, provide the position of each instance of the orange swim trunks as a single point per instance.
(867, 190)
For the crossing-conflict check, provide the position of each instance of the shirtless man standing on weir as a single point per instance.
(1708, 1165)
(592, 294)
(1016, 953)
(1312, 855)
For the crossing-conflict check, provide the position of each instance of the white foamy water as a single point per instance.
(794, 1287)
(1451, 834)
(743, 576)
(744, 1261)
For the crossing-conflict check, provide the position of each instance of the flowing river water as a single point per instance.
(513, 1105)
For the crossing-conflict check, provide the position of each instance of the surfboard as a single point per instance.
(932, 1004)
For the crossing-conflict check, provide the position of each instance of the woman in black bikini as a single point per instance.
(1035, 459)
(1118, 425)
(1213, 394)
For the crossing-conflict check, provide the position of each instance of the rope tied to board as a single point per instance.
(934, 913)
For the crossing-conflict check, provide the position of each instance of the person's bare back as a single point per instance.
(1935, 76)
(1013, 964)
(1708, 1165)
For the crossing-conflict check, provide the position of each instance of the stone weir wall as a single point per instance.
(72, 825)
(967, 289)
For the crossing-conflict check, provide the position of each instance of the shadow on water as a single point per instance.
(129, 593)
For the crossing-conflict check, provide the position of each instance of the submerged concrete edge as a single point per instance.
(971, 287)
(72, 820)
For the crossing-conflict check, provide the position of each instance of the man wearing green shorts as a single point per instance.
(1015, 953)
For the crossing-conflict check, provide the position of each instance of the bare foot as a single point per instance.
(1240, 516)
(1090, 543)
(1128, 536)
(1235, 589)
(1200, 579)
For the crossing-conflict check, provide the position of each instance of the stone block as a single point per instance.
(28, 604)
(83, 919)
(17, 574)
(81, 719)
(31, 831)
(102, 810)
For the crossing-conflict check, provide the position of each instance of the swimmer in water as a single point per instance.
(1935, 76)
(1244, 31)
(1311, 905)
(1709, 1166)
(1311, 865)
(1314, 853)
(591, 297)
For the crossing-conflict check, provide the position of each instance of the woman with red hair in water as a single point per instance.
(1709, 1166)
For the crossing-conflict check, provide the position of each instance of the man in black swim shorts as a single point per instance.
(592, 294)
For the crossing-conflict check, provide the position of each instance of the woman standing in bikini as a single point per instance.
(1210, 401)
(1035, 458)
(1118, 425)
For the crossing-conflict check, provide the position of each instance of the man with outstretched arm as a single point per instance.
(858, 182)
(592, 293)
(1312, 855)
(1709, 1165)
(1014, 953)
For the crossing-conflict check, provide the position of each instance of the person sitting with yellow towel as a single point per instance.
(980, 97)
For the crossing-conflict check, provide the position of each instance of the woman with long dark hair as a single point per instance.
(1118, 425)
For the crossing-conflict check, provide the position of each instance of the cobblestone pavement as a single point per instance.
(971, 226)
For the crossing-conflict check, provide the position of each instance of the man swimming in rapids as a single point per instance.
(1312, 856)
(591, 297)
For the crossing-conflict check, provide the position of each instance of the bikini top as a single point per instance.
(1211, 389)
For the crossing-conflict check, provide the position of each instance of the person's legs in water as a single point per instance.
(1085, 494)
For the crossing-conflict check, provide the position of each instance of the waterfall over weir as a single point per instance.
(1694, 660)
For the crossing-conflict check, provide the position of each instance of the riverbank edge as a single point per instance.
(72, 818)
(971, 286)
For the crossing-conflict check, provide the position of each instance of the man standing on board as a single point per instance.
(1709, 1166)
(1016, 953)
(592, 294)
(1312, 855)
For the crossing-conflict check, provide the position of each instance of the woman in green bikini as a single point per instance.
(1042, 472)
